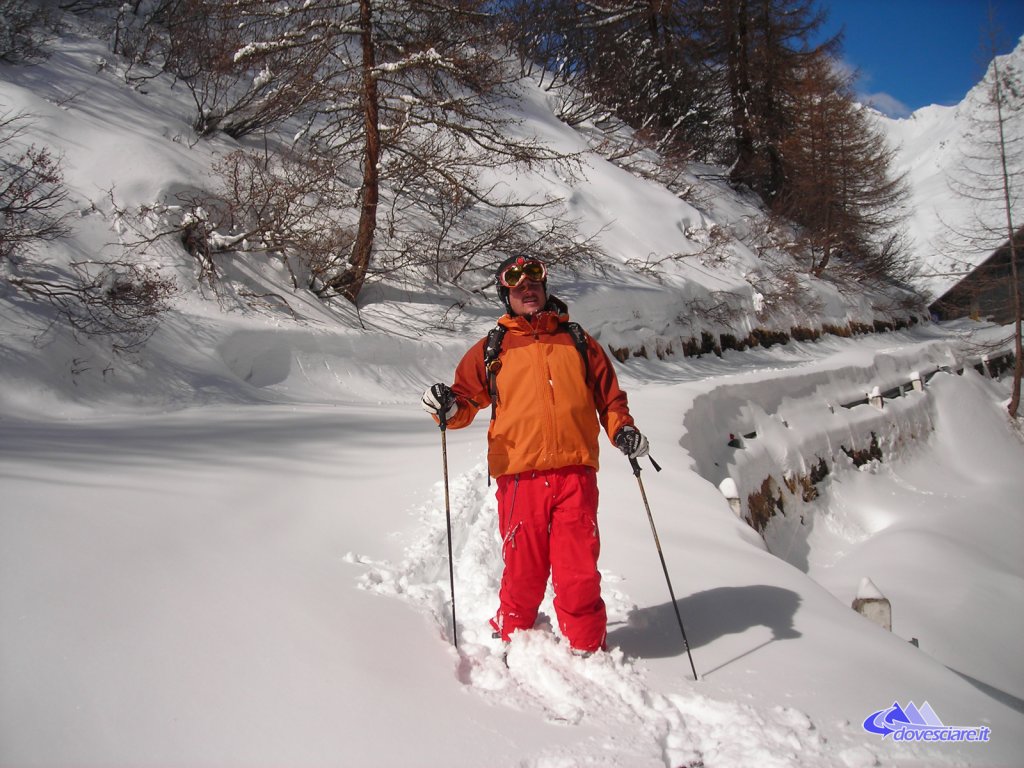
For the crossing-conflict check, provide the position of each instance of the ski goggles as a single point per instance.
(530, 269)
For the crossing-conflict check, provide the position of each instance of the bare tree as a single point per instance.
(414, 101)
(139, 36)
(990, 178)
(286, 205)
(24, 28)
(32, 191)
(122, 300)
(248, 65)
(350, 282)
(408, 92)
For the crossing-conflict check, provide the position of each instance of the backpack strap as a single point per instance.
(492, 352)
(579, 338)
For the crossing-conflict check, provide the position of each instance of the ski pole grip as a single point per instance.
(636, 465)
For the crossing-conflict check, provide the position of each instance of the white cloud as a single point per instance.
(886, 104)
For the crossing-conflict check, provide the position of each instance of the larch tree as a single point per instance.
(990, 179)
(409, 93)
(640, 59)
(426, 117)
(762, 48)
(841, 186)
(250, 64)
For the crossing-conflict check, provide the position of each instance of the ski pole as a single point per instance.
(657, 543)
(448, 522)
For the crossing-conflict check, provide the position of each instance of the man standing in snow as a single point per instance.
(551, 388)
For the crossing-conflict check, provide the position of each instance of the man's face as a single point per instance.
(527, 297)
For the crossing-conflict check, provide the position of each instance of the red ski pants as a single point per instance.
(548, 524)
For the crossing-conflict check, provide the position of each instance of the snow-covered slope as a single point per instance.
(230, 548)
(216, 584)
(930, 145)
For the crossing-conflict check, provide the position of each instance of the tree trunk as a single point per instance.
(1018, 369)
(740, 92)
(350, 283)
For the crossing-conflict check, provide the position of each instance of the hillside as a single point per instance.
(709, 265)
(227, 546)
(930, 145)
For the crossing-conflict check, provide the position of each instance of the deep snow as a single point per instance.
(230, 549)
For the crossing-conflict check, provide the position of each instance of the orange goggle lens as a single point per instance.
(531, 270)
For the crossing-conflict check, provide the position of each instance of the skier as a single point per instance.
(551, 388)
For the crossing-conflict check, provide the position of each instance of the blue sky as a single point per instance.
(912, 53)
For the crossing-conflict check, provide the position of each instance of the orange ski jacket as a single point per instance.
(548, 409)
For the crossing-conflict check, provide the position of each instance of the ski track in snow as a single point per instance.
(607, 691)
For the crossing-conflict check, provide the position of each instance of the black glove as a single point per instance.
(439, 399)
(631, 442)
